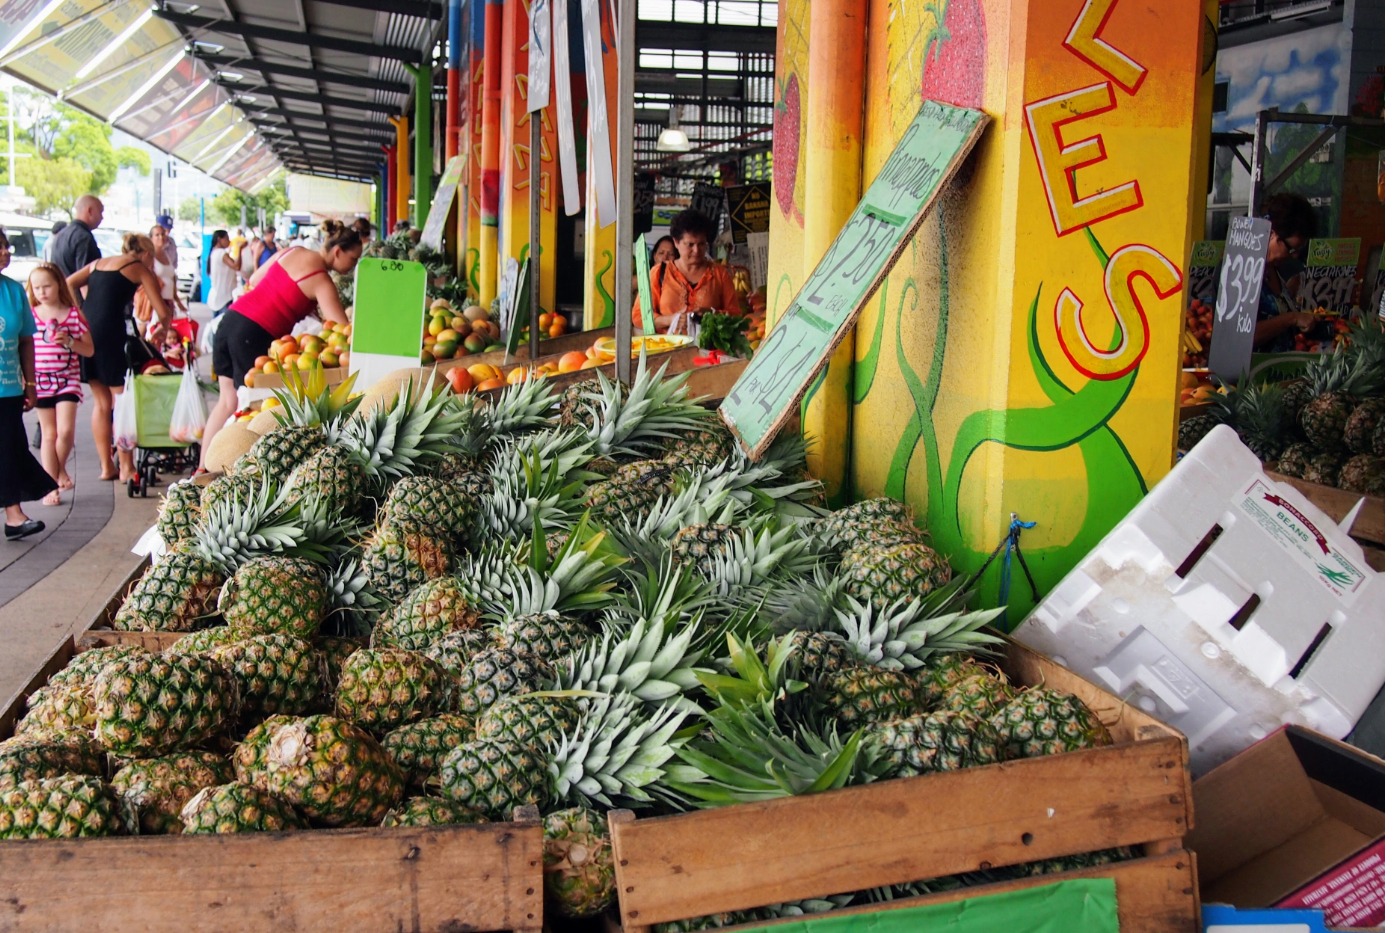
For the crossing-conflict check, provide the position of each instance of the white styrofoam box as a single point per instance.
(1275, 619)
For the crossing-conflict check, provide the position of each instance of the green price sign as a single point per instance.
(639, 256)
(388, 333)
(865, 249)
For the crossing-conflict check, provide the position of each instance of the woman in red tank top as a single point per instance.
(282, 291)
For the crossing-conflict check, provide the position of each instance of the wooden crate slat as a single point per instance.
(1155, 895)
(457, 877)
(898, 831)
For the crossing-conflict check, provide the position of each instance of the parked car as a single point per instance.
(27, 236)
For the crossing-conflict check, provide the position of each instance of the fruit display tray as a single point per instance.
(1135, 792)
(478, 877)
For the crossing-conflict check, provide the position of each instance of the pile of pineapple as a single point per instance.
(405, 610)
(1327, 428)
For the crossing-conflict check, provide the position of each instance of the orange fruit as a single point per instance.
(460, 380)
(518, 374)
(487, 385)
(261, 361)
(572, 361)
(248, 379)
(545, 320)
(270, 367)
(558, 327)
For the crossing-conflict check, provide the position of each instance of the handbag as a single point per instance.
(138, 351)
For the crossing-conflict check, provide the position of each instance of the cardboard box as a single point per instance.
(1297, 820)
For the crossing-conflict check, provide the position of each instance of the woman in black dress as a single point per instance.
(111, 284)
(22, 479)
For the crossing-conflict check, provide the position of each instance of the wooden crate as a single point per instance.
(482, 877)
(1369, 528)
(1136, 792)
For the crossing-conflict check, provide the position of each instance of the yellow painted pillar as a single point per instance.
(832, 151)
(1022, 356)
(599, 263)
(787, 266)
(401, 153)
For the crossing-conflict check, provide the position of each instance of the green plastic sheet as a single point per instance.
(1088, 905)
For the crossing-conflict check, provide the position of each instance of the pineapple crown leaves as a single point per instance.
(806, 602)
(617, 754)
(536, 490)
(580, 578)
(668, 591)
(755, 757)
(755, 557)
(522, 406)
(756, 679)
(307, 400)
(645, 660)
(904, 635)
(352, 603)
(257, 520)
(395, 440)
(619, 420)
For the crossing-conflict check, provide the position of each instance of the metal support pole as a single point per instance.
(626, 83)
(400, 168)
(422, 143)
(1259, 156)
(535, 194)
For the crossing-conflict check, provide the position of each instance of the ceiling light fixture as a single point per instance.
(673, 138)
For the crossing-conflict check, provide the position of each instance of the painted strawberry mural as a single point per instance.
(787, 145)
(955, 62)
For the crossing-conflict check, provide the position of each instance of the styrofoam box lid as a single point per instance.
(1225, 604)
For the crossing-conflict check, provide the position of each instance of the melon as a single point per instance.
(263, 422)
(228, 445)
(387, 389)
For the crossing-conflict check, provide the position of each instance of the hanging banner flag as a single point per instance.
(537, 94)
(564, 110)
(599, 132)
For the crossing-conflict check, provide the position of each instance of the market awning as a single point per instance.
(236, 89)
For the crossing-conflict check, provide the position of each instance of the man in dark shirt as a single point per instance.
(74, 246)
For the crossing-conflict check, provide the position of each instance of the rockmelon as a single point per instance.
(232, 442)
(263, 422)
(387, 389)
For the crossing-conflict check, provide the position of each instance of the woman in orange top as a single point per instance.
(693, 282)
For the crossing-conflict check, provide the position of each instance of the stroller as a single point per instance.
(154, 400)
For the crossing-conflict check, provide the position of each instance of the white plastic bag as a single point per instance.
(124, 416)
(188, 416)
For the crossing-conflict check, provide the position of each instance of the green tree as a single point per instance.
(88, 143)
(131, 157)
(228, 206)
(54, 184)
(188, 209)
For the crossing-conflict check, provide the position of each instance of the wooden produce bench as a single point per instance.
(478, 877)
(1135, 792)
(1369, 527)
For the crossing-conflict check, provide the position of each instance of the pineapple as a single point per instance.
(276, 673)
(201, 642)
(869, 521)
(573, 401)
(924, 743)
(495, 776)
(179, 511)
(1044, 721)
(1364, 473)
(1295, 459)
(864, 694)
(331, 770)
(86, 665)
(1259, 414)
(64, 807)
(936, 678)
(275, 595)
(977, 695)
(173, 595)
(429, 613)
(528, 719)
(1378, 436)
(623, 423)
(420, 747)
(816, 656)
(549, 635)
(708, 443)
(883, 574)
(1322, 469)
(403, 554)
(59, 712)
(278, 452)
(1191, 431)
(335, 476)
(698, 545)
(579, 876)
(497, 673)
(631, 490)
(237, 808)
(28, 758)
(1335, 382)
(447, 507)
(148, 705)
(1360, 431)
(432, 811)
(383, 688)
(157, 789)
(455, 650)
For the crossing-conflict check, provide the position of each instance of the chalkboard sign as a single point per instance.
(709, 200)
(442, 202)
(1329, 278)
(1237, 299)
(1203, 275)
(643, 202)
(388, 332)
(865, 249)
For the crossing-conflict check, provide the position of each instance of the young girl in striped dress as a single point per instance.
(62, 335)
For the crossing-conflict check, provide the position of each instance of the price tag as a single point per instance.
(442, 202)
(864, 250)
(1204, 269)
(639, 256)
(1329, 277)
(1237, 298)
(388, 332)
